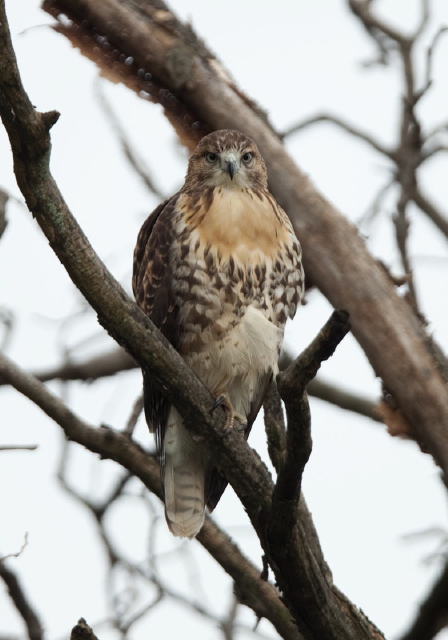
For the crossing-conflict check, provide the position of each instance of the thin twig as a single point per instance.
(430, 53)
(347, 400)
(342, 124)
(134, 416)
(19, 552)
(130, 153)
(18, 447)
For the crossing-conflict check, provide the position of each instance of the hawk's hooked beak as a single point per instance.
(232, 168)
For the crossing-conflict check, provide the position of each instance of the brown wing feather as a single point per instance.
(151, 283)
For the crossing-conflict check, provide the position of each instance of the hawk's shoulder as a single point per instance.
(152, 277)
(148, 242)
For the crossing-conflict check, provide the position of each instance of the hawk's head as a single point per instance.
(227, 159)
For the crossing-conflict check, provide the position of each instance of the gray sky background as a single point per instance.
(368, 492)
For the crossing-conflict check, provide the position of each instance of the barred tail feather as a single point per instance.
(184, 478)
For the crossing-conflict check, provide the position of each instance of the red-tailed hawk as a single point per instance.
(218, 269)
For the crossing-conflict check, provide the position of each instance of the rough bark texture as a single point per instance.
(336, 259)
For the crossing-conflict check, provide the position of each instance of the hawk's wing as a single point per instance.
(151, 283)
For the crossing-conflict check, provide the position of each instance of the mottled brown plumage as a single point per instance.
(218, 269)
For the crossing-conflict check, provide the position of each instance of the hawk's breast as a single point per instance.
(236, 278)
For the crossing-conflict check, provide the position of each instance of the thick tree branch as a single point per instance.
(335, 256)
(260, 595)
(301, 557)
(116, 360)
(319, 609)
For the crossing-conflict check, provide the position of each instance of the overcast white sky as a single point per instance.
(367, 492)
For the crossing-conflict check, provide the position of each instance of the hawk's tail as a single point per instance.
(183, 478)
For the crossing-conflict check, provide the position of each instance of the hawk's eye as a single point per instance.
(211, 157)
(247, 157)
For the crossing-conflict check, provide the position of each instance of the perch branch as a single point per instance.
(335, 255)
(117, 446)
(292, 384)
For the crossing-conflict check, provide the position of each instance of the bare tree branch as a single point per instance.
(433, 614)
(82, 631)
(18, 447)
(260, 595)
(345, 126)
(430, 54)
(274, 422)
(108, 363)
(135, 414)
(334, 254)
(411, 149)
(117, 360)
(130, 154)
(431, 211)
(4, 197)
(17, 553)
(292, 383)
(343, 399)
(26, 611)
(321, 611)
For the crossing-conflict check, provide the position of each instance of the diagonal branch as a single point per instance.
(109, 363)
(130, 154)
(344, 399)
(20, 600)
(319, 609)
(433, 612)
(260, 595)
(335, 256)
(428, 207)
(292, 384)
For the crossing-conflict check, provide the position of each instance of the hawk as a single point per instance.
(218, 269)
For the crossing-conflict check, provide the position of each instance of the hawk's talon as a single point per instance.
(233, 420)
(219, 402)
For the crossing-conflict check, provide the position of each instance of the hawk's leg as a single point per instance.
(234, 420)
